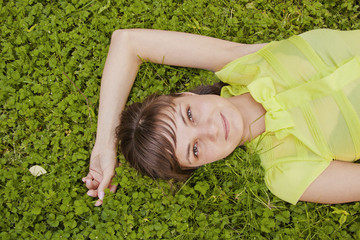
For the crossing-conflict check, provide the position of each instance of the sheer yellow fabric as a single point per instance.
(310, 87)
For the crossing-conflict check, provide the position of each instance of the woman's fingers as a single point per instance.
(92, 184)
(97, 183)
(113, 188)
(89, 177)
(92, 193)
(98, 203)
(95, 193)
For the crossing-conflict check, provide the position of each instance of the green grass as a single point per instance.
(45, 120)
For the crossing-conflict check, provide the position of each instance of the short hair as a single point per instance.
(148, 138)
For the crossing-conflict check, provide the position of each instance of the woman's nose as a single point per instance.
(208, 130)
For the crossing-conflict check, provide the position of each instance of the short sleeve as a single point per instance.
(289, 178)
(290, 166)
(238, 74)
(241, 71)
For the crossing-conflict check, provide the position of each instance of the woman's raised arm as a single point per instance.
(127, 49)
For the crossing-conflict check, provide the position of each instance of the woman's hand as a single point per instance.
(102, 169)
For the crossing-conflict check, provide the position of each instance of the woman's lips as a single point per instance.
(226, 126)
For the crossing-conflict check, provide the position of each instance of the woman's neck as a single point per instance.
(253, 115)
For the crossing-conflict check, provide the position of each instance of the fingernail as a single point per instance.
(88, 181)
(101, 195)
(98, 203)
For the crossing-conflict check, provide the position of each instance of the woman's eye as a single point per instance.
(195, 150)
(189, 114)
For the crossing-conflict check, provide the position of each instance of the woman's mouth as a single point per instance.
(226, 126)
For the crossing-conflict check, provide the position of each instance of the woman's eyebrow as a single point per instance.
(188, 148)
(181, 115)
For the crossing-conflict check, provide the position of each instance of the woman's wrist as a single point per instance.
(106, 134)
(106, 143)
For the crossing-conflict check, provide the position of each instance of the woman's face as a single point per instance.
(208, 128)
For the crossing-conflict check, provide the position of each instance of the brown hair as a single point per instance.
(148, 139)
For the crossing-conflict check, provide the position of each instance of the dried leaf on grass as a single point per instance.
(37, 170)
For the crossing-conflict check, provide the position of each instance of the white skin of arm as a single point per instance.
(121, 67)
(339, 183)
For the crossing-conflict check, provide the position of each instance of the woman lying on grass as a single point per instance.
(294, 102)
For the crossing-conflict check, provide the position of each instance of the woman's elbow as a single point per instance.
(120, 35)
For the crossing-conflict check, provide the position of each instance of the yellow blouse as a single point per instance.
(310, 87)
